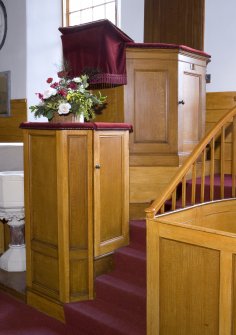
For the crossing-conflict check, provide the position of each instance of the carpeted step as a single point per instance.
(101, 318)
(125, 292)
(130, 262)
(138, 234)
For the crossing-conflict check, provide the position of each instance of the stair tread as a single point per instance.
(98, 314)
(128, 283)
(133, 252)
(138, 223)
(124, 293)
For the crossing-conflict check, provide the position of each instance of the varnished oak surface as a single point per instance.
(190, 271)
(75, 213)
(217, 105)
(9, 126)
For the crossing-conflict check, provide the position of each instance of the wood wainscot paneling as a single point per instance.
(9, 125)
(217, 105)
(146, 183)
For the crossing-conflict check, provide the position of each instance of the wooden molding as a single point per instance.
(9, 125)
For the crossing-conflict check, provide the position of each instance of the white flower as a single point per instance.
(81, 89)
(64, 108)
(77, 80)
(49, 92)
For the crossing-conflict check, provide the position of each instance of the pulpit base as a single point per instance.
(14, 259)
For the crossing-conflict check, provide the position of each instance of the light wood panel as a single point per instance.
(9, 126)
(192, 121)
(147, 182)
(191, 276)
(114, 108)
(189, 288)
(217, 105)
(111, 195)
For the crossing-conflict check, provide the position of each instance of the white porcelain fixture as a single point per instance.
(11, 156)
(12, 211)
(11, 189)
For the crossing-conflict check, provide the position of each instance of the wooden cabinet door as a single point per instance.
(151, 106)
(191, 105)
(111, 191)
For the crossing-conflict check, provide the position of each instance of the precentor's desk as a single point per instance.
(76, 203)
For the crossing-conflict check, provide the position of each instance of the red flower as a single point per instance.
(49, 80)
(72, 85)
(40, 96)
(54, 85)
(62, 92)
(62, 74)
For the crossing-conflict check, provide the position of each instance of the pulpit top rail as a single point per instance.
(77, 125)
(167, 46)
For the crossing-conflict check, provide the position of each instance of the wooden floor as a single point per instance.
(13, 283)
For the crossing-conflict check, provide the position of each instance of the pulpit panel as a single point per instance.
(150, 105)
(43, 181)
(110, 191)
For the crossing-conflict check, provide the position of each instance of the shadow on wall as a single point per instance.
(11, 157)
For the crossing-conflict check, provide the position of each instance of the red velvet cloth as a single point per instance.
(76, 125)
(96, 47)
(167, 46)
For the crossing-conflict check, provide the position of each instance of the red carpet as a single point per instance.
(217, 190)
(120, 304)
(16, 318)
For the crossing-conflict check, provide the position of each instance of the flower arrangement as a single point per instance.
(67, 96)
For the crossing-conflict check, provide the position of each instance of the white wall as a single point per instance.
(34, 54)
(44, 48)
(13, 52)
(220, 43)
(131, 16)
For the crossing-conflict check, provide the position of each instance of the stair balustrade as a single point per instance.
(213, 155)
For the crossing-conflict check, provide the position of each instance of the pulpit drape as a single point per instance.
(96, 48)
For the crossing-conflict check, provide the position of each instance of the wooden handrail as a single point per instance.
(209, 139)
